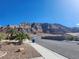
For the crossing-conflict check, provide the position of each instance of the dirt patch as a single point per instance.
(29, 52)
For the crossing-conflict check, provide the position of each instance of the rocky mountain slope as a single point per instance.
(49, 28)
(42, 28)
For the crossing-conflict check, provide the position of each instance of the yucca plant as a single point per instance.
(12, 33)
(28, 37)
(20, 36)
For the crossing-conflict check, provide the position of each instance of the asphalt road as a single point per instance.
(67, 49)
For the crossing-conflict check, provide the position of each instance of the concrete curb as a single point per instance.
(37, 58)
(46, 53)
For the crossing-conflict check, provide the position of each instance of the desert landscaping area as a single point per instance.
(12, 45)
(12, 51)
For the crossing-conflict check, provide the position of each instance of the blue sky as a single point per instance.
(64, 12)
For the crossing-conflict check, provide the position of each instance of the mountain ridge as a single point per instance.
(54, 28)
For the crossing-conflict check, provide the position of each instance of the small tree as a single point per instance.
(20, 36)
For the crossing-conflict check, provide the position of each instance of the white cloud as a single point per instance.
(77, 24)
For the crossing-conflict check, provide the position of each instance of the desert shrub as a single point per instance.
(2, 36)
(71, 37)
(20, 36)
(28, 36)
(11, 34)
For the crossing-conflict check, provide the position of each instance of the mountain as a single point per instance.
(75, 29)
(42, 28)
(50, 28)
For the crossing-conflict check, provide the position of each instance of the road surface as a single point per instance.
(65, 48)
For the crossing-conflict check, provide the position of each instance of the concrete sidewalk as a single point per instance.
(46, 53)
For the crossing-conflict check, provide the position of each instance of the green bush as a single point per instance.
(11, 34)
(71, 38)
(20, 36)
(28, 36)
(2, 36)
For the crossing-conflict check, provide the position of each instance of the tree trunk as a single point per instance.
(20, 42)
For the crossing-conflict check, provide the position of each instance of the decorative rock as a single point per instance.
(20, 49)
(2, 53)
